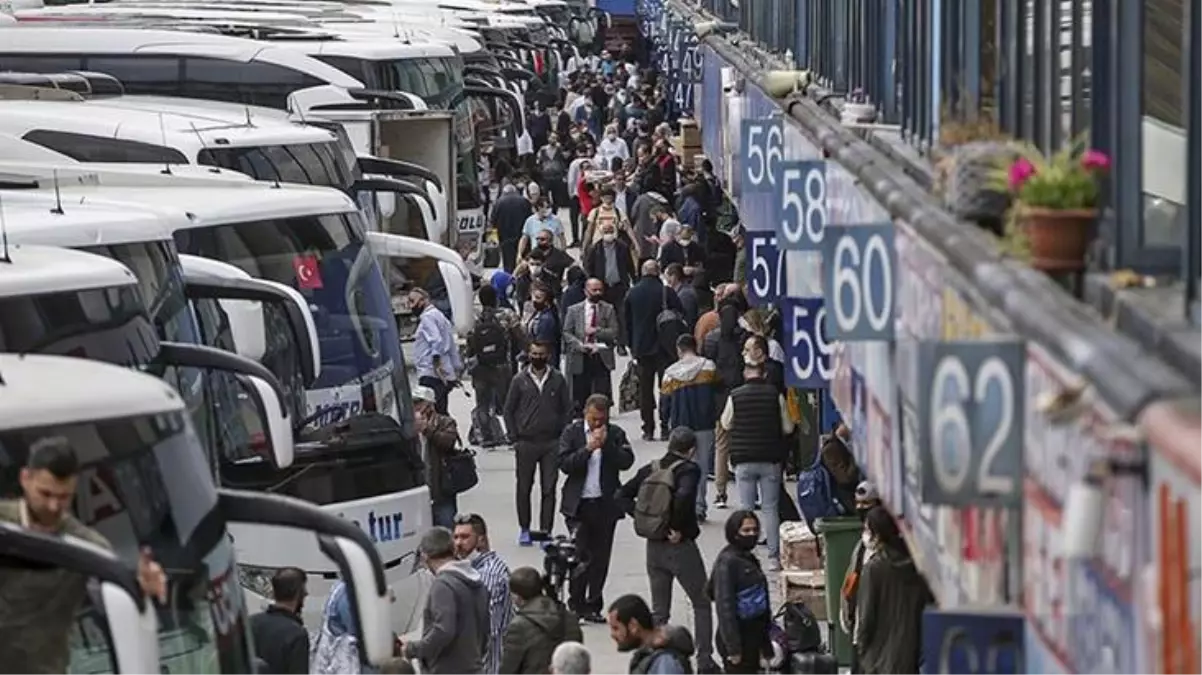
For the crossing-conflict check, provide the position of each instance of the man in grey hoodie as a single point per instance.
(455, 626)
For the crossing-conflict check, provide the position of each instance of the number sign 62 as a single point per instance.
(971, 422)
(859, 286)
(763, 143)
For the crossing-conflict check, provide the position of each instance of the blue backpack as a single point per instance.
(816, 494)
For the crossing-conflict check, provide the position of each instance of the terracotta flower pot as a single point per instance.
(1058, 238)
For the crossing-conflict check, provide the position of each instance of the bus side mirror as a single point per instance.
(265, 390)
(132, 623)
(264, 406)
(348, 547)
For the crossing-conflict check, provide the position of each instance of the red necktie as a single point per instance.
(593, 322)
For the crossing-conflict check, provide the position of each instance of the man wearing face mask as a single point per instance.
(683, 250)
(612, 263)
(471, 544)
(532, 270)
(611, 146)
(757, 422)
(841, 464)
(605, 213)
(542, 220)
(508, 217)
(867, 498)
(590, 333)
(455, 622)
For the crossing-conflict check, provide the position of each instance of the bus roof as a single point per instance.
(59, 40)
(137, 121)
(40, 391)
(34, 270)
(32, 217)
(369, 48)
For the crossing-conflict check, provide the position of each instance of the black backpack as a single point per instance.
(489, 340)
(803, 634)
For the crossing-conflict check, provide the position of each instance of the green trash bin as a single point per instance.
(839, 537)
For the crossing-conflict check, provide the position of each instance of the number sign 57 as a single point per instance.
(859, 261)
(763, 143)
(971, 415)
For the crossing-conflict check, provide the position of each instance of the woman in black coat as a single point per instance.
(739, 590)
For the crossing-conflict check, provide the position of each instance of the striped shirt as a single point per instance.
(495, 575)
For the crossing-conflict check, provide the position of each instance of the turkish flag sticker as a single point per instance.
(308, 276)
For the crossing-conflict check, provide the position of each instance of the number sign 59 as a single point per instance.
(807, 351)
(763, 143)
(971, 416)
(859, 263)
(801, 205)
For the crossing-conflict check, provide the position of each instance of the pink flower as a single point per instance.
(1020, 171)
(1095, 160)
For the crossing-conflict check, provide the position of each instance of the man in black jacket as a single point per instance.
(280, 638)
(757, 421)
(592, 454)
(508, 217)
(677, 557)
(645, 302)
(537, 409)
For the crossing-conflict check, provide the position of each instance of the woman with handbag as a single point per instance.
(445, 459)
(739, 590)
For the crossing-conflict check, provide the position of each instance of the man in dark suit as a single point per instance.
(590, 333)
(610, 260)
(592, 454)
(650, 345)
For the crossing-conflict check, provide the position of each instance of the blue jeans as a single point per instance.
(705, 459)
(764, 478)
(444, 511)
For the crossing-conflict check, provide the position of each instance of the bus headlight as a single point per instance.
(257, 580)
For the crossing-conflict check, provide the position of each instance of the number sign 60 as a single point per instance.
(763, 147)
(972, 423)
(860, 262)
(802, 215)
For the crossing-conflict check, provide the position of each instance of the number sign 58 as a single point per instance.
(858, 263)
(807, 350)
(801, 205)
(971, 416)
(763, 143)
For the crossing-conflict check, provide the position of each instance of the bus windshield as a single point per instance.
(326, 259)
(103, 324)
(324, 164)
(144, 483)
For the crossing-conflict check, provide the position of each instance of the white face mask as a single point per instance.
(609, 237)
(685, 238)
(535, 269)
(866, 538)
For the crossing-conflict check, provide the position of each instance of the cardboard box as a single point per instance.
(690, 133)
(806, 586)
(799, 547)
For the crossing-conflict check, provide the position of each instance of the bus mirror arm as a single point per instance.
(349, 547)
(132, 621)
(396, 168)
(300, 318)
(392, 185)
(211, 358)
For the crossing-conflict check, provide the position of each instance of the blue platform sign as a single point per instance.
(762, 143)
(970, 642)
(971, 411)
(859, 284)
(807, 349)
(766, 280)
(801, 212)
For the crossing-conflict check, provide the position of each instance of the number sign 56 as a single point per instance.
(859, 261)
(971, 413)
(763, 143)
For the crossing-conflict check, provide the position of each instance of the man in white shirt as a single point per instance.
(611, 147)
(592, 454)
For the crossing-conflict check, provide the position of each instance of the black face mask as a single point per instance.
(538, 362)
(544, 245)
(746, 542)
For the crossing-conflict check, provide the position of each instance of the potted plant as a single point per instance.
(1056, 203)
